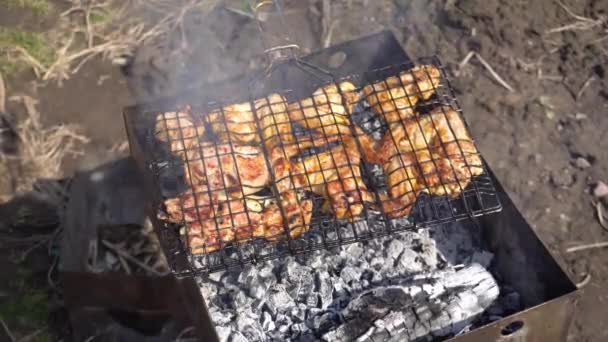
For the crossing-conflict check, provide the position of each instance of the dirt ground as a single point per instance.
(532, 136)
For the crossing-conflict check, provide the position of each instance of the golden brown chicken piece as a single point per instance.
(432, 153)
(273, 119)
(234, 123)
(328, 111)
(336, 175)
(230, 168)
(297, 211)
(211, 222)
(229, 220)
(237, 122)
(178, 131)
(395, 97)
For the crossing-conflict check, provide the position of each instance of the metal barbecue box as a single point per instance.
(521, 261)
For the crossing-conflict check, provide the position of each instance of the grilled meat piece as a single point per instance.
(395, 97)
(230, 167)
(179, 132)
(212, 222)
(432, 153)
(234, 123)
(328, 111)
(336, 175)
(237, 123)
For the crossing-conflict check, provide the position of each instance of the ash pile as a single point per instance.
(433, 283)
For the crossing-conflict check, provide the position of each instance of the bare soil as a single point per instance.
(531, 137)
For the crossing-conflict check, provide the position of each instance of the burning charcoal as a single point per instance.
(312, 300)
(409, 262)
(283, 322)
(248, 276)
(208, 290)
(301, 284)
(267, 322)
(325, 289)
(299, 313)
(249, 326)
(340, 288)
(377, 262)
(220, 317)
(238, 337)
(377, 278)
(223, 332)
(298, 328)
(350, 274)
(279, 300)
(242, 301)
(353, 251)
(395, 248)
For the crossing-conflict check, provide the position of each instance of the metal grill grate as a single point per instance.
(364, 156)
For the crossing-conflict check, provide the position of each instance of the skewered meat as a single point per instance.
(328, 111)
(395, 97)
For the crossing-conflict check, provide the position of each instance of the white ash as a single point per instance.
(433, 276)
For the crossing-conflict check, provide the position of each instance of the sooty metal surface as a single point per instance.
(322, 190)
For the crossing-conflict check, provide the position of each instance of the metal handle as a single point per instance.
(278, 44)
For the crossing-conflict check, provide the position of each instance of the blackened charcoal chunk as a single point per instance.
(325, 289)
(350, 274)
(298, 328)
(283, 322)
(312, 300)
(279, 300)
(377, 262)
(341, 289)
(298, 313)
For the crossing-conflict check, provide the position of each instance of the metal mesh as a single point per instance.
(279, 175)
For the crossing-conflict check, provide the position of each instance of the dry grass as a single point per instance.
(42, 151)
(112, 29)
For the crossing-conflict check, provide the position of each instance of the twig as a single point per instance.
(27, 252)
(124, 264)
(464, 62)
(498, 79)
(182, 333)
(584, 87)
(239, 12)
(7, 330)
(599, 210)
(584, 282)
(129, 257)
(581, 24)
(2, 95)
(586, 247)
(32, 335)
